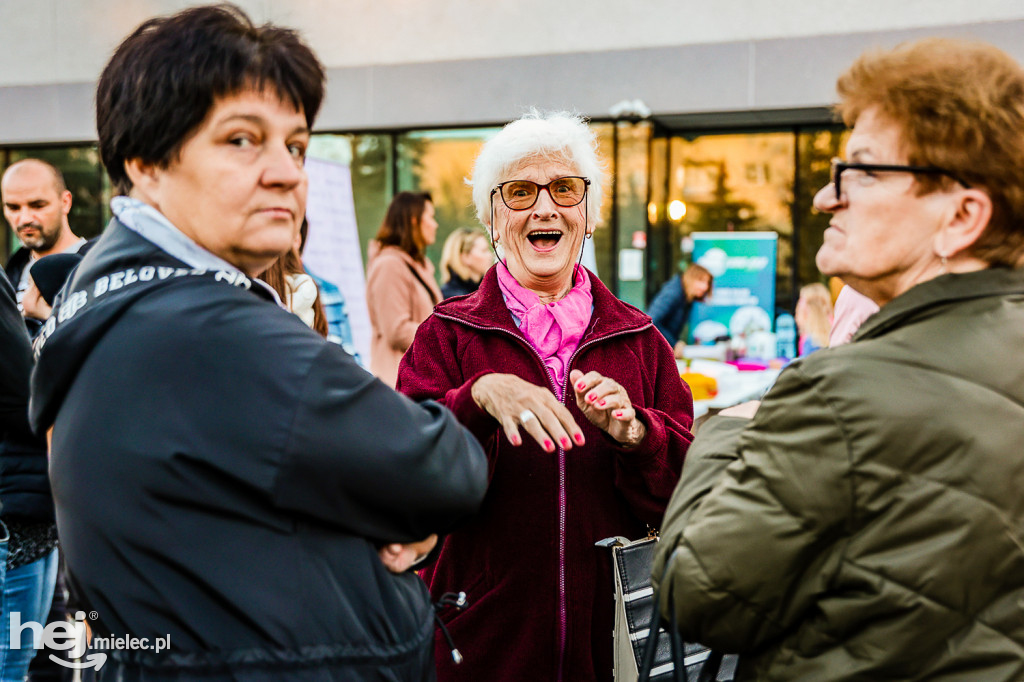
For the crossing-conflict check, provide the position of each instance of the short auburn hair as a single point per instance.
(958, 105)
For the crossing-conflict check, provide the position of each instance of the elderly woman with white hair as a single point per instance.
(577, 401)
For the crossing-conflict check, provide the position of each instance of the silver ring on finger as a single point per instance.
(525, 416)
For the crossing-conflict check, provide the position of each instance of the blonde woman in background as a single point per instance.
(465, 258)
(813, 317)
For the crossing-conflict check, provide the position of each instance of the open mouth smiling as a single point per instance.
(544, 240)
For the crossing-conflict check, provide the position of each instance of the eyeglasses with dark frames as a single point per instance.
(839, 166)
(520, 195)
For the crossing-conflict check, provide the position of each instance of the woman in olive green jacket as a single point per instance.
(866, 520)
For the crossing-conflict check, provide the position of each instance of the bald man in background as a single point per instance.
(36, 205)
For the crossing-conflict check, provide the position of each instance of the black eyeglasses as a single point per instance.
(520, 195)
(839, 166)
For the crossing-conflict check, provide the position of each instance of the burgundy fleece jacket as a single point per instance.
(540, 593)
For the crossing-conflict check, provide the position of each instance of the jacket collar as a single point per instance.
(950, 288)
(153, 226)
(486, 308)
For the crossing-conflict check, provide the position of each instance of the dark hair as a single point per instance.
(290, 263)
(164, 78)
(401, 226)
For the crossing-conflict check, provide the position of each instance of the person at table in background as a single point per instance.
(465, 258)
(670, 307)
(577, 401)
(224, 477)
(851, 310)
(813, 316)
(400, 286)
(864, 522)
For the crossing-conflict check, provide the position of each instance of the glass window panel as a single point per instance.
(631, 249)
(740, 182)
(816, 148)
(439, 162)
(604, 245)
(369, 158)
(663, 247)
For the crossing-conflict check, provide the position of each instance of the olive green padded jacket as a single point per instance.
(868, 522)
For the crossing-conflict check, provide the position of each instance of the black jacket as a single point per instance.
(24, 484)
(224, 476)
(457, 286)
(16, 264)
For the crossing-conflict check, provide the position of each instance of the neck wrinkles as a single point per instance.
(549, 289)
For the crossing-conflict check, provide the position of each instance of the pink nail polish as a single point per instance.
(601, 403)
(581, 385)
(591, 397)
(617, 414)
(516, 441)
(548, 445)
(566, 443)
(579, 438)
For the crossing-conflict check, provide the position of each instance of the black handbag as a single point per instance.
(663, 658)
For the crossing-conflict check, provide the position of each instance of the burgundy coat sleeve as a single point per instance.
(647, 475)
(430, 370)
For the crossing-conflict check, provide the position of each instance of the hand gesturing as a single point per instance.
(607, 405)
(517, 403)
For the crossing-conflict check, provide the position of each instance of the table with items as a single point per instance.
(717, 385)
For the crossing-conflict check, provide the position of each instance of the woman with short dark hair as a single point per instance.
(223, 476)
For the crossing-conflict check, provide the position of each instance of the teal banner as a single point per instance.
(743, 298)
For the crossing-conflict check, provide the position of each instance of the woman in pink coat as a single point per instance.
(578, 403)
(400, 286)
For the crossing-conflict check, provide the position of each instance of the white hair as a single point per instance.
(552, 136)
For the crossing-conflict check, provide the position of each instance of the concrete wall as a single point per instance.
(412, 63)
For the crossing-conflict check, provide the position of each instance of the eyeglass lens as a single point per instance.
(522, 194)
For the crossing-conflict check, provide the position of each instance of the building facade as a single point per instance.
(711, 116)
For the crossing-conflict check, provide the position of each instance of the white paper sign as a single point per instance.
(332, 250)
(631, 265)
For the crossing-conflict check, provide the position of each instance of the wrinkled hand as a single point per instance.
(607, 405)
(506, 397)
(746, 410)
(399, 558)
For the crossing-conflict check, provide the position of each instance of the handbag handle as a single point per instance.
(712, 663)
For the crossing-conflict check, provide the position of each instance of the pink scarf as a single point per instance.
(554, 329)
